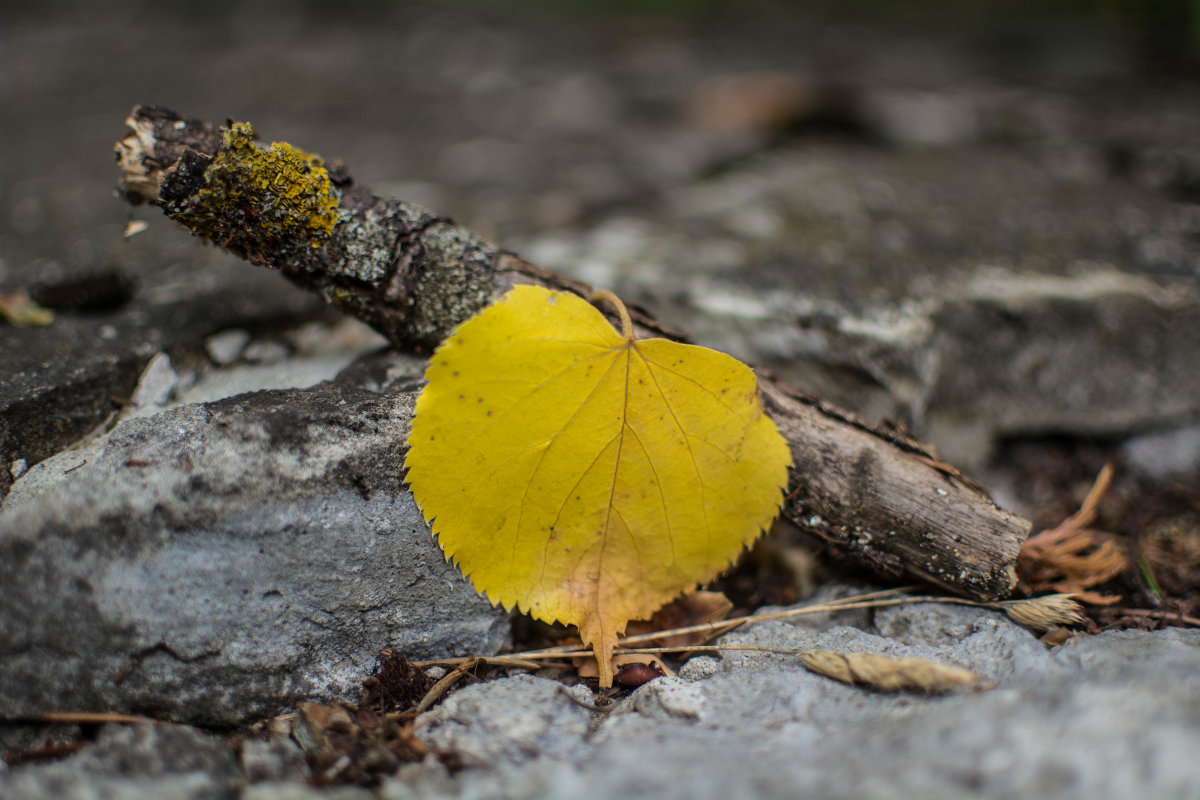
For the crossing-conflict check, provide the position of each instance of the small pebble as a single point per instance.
(227, 346)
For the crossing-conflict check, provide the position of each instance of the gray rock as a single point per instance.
(509, 722)
(1098, 353)
(154, 762)
(266, 351)
(1108, 716)
(18, 738)
(157, 382)
(273, 760)
(1165, 455)
(61, 382)
(321, 352)
(921, 286)
(227, 346)
(220, 562)
(922, 118)
(301, 791)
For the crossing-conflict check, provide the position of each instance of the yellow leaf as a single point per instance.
(585, 477)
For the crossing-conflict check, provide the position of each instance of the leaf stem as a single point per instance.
(615, 302)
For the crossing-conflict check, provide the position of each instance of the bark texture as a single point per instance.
(869, 492)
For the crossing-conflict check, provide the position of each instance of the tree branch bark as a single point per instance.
(869, 492)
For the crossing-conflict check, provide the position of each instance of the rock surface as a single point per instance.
(1106, 716)
(219, 562)
(128, 762)
(851, 235)
(61, 382)
(980, 238)
(1110, 716)
(884, 283)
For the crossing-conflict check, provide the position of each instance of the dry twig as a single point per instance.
(867, 491)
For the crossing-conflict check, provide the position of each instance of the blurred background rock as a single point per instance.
(981, 221)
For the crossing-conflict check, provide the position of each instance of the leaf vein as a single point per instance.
(533, 392)
(687, 439)
(690, 380)
(662, 497)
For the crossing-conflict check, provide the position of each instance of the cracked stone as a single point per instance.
(220, 562)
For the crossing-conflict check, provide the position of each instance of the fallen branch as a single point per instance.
(877, 496)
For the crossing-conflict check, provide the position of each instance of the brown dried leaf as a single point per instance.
(316, 727)
(696, 608)
(1057, 636)
(346, 745)
(889, 674)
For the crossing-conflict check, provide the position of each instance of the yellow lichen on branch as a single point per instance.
(280, 193)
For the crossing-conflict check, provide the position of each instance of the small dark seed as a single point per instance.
(632, 676)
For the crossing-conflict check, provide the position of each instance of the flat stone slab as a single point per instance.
(62, 381)
(1107, 716)
(217, 563)
(141, 761)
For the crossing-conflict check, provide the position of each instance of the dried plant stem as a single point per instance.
(1157, 614)
(615, 302)
(712, 628)
(435, 692)
(1086, 514)
(726, 625)
(704, 648)
(881, 599)
(95, 718)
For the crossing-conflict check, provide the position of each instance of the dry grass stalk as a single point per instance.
(1160, 614)
(1038, 608)
(1072, 557)
(1044, 613)
(435, 692)
(96, 718)
(889, 674)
